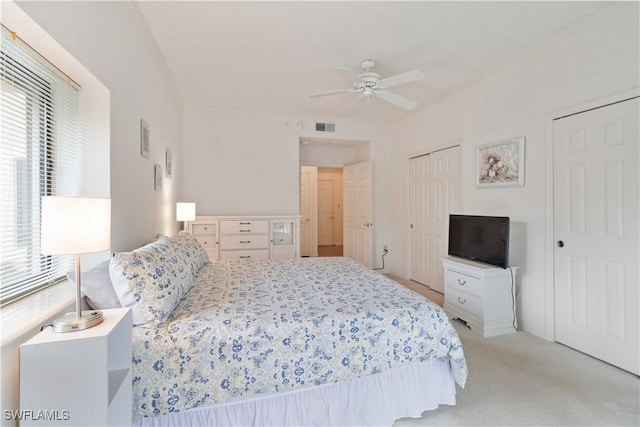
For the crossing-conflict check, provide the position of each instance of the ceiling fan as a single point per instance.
(369, 84)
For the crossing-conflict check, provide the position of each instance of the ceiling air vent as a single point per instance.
(325, 127)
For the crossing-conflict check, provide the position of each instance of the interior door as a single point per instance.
(357, 213)
(325, 213)
(596, 233)
(308, 174)
(421, 218)
(435, 193)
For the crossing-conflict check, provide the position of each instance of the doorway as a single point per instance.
(323, 162)
(330, 211)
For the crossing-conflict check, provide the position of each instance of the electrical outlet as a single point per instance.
(385, 249)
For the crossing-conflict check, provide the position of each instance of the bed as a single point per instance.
(307, 341)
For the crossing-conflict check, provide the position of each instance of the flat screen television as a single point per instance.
(480, 238)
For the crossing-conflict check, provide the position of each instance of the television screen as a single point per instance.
(480, 238)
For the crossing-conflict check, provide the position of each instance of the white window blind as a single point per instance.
(41, 153)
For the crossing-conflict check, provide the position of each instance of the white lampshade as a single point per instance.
(75, 225)
(185, 211)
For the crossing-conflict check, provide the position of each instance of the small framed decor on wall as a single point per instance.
(500, 163)
(168, 163)
(144, 139)
(157, 176)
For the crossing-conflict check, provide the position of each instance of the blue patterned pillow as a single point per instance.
(150, 279)
(194, 253)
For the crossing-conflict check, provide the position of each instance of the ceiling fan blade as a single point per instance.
(334, 92)
(398, 79)
(398, 100)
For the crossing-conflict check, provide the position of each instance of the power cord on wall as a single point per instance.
(384, 252)
(513, 299)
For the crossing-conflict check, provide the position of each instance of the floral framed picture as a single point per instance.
(501, 163)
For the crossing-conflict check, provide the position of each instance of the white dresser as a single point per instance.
(248, 237)
(481, 295)
(244, 238)
(207, 234)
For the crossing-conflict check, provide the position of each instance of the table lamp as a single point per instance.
(185, 212)
(75, 225)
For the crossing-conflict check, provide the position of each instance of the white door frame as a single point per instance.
(549, 118)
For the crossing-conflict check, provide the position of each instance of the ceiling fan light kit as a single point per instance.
(369, 83)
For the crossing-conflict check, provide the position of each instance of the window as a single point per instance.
(40, 154)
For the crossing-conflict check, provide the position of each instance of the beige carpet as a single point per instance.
(521, 380)
(434, 296)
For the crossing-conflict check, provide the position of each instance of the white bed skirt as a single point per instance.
(375, 400)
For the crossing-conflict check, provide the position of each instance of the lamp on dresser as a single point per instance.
(185, 212)
(73, 226)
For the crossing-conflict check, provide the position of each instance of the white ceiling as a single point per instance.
(270, 56)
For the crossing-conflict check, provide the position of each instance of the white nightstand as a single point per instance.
(78, 378)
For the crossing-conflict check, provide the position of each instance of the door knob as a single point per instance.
(560, 244)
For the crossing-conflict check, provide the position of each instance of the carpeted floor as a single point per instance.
(522, 380)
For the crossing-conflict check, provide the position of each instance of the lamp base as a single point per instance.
(70, 322)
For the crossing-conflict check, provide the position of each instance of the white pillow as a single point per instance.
(96, 286)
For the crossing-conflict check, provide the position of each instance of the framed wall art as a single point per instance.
(144, 139)
(168, 166)
(500, 163)
(157, 178)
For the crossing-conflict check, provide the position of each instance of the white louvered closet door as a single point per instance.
(596, 233)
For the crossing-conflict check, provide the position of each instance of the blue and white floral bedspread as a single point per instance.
(252, 326)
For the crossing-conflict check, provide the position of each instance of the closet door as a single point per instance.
(325, 213)
(596, 230)
(435, 193)
(421, 218)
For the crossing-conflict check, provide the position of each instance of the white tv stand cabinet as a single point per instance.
(481, 295)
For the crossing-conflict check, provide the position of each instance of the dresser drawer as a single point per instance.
(251, 254)
(464, 301)
(249, 241)
(463, 282)
(203, 229)
(207, 241)
(244, 227)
